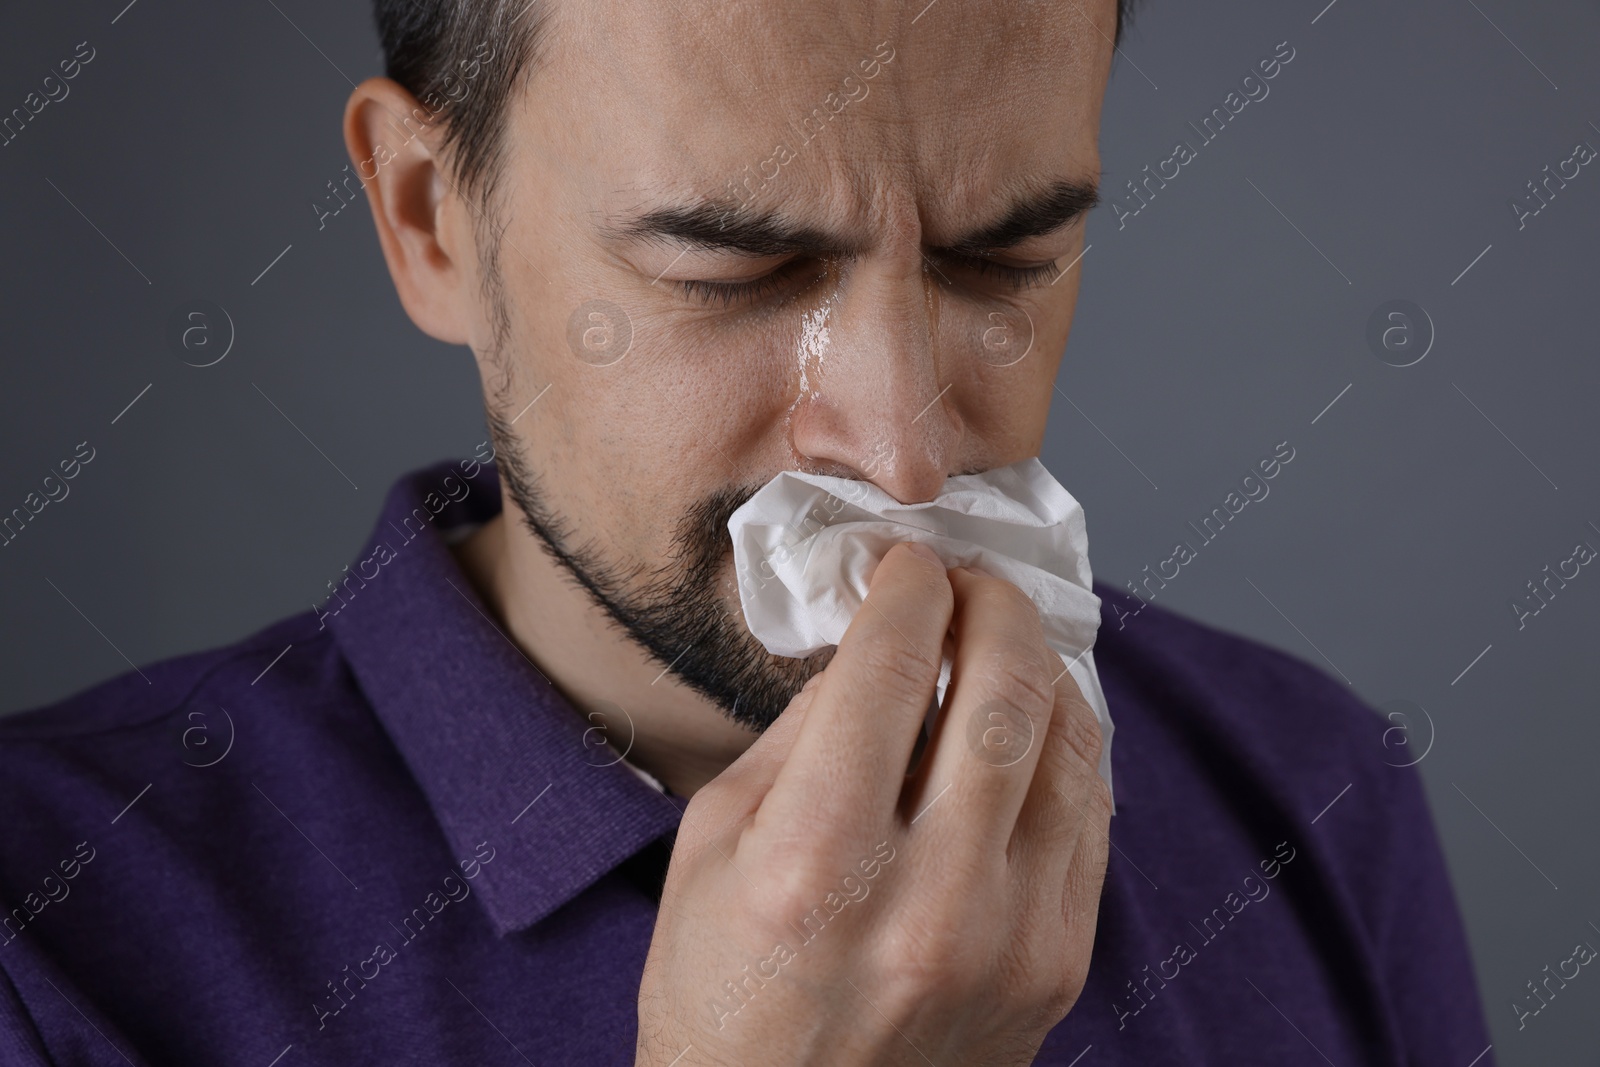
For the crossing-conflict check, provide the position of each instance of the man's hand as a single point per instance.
(823, 907)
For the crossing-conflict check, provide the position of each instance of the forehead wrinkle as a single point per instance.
(884, 161)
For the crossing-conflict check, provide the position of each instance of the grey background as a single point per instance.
(1210, 328)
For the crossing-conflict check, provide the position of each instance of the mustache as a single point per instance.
(669, 606)
(701, 539)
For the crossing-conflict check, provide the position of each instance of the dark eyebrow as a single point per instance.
(714, 226)
(1035, 213)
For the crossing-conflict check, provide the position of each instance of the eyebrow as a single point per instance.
(1043, 210)
(712, 226)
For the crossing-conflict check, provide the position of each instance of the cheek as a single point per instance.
(1006, 366)
(626, 447)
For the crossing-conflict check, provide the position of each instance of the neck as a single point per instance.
(678, 735)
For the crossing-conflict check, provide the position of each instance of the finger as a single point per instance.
(996, 713)
(1068, 807)
(849, 758)
(732, 796)
(721, 810)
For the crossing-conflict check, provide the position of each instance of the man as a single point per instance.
(524, 788)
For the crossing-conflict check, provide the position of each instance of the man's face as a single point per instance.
(744, 237)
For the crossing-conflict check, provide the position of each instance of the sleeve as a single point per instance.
(37, 1000)
(20, 1043)
(1422, 942)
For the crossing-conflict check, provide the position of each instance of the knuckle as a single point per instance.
(1021, 682)
(914, 960)
(791, 889)
(1060, 818)
(1061, 969)
(897, 667)
(1079, 731)
(1073, 977)
(1056, 994)
(1099, 801)
(710, 804)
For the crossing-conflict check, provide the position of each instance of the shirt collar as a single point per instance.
(505, 761)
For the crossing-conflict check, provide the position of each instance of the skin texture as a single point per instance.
(890, 361)
(973, 936)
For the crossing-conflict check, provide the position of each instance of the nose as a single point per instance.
(873, 405)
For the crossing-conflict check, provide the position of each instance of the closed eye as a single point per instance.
(746, 292)
(1015, 277)
(726, 294)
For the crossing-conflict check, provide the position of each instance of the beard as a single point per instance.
(675, 611)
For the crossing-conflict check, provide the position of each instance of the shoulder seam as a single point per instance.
(229, 659)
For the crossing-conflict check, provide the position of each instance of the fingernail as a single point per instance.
(924, 551)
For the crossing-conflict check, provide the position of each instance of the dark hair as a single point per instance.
(434, 47)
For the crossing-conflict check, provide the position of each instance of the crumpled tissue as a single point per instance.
(804, 547)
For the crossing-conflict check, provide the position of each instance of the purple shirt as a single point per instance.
(375, 833)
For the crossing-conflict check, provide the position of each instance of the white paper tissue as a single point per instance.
(804, 547)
